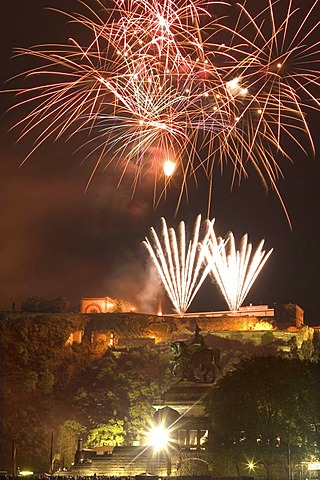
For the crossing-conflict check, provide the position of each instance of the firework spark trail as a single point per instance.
(270, 68)
(148, 81)
(234, 270)
(180, 263)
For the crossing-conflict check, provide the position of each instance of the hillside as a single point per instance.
(59, 375)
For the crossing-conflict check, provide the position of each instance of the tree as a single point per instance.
(310, 398)
(140, 410)
(59, 305)
(35, 304)
(111, 433)
(119, 306)
(43, 305)
(69, 433)
(257, 408)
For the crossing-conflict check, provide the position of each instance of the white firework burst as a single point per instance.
(180, 263)
(234, 271)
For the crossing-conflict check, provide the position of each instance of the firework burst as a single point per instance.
(234, 271)
(181, 78)
(179, 262)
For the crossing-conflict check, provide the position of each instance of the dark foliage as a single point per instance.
(262, 408)
(48, 384)
(43, 305)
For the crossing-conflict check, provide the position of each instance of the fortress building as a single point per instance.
(104, 305)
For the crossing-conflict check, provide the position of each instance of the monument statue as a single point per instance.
(195, 362)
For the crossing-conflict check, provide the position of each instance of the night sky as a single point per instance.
(57, 240)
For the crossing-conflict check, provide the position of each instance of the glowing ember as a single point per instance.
(169, 168)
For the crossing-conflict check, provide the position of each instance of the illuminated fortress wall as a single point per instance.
(229, 323)
(256, 326)
(131, 329)
(163, 328)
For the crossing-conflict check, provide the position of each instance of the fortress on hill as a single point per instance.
(105, 326)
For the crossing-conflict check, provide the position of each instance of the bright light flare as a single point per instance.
(168, 168)
(233, 85)
(251, 465)
(158, 438)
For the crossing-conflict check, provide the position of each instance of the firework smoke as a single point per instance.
(151, 290)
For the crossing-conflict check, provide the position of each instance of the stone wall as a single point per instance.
(246, 334)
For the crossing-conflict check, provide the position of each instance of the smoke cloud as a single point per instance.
(151, 291)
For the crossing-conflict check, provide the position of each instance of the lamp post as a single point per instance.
(289, 458)
(13, 457)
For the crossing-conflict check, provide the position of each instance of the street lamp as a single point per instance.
(251, 465)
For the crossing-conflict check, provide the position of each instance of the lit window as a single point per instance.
(203, 437)
(193, 438)
(182, 437)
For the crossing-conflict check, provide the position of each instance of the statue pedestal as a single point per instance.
(186, 398)
(182, 411)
